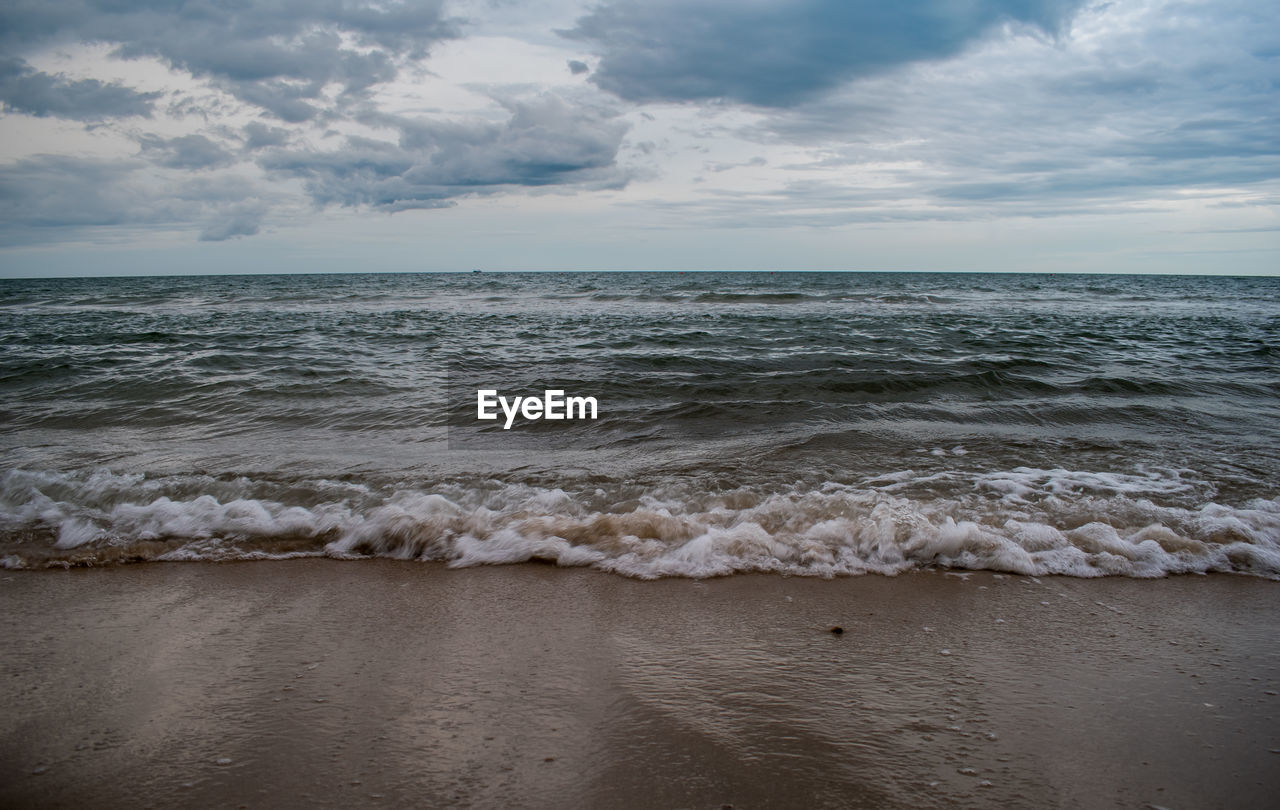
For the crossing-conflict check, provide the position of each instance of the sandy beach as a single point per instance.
(380, 683)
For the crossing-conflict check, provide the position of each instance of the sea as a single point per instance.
(815, 424)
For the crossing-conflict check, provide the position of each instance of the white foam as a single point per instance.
(1024, 521)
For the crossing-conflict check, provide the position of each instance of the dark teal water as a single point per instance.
(804, 423)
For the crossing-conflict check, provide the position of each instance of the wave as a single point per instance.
(1025, 521)
(696, 295)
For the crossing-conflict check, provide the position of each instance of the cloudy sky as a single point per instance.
(328, 135)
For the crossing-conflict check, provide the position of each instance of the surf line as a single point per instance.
(553, 405)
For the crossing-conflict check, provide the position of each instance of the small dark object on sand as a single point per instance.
(837, 629)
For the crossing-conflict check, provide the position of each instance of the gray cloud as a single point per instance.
(754, 162)
(825, 204)
(1156, 104)
(258, 135)
(185, 152)
(775, 53)
(1151, 101)
(546, 141)
(243, 220)
(25, 90)
(44, 196)
(54, 190)
(278, 55)
(284, 57)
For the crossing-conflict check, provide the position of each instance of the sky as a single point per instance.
(161, 136)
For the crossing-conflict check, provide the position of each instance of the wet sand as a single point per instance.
(378, 683)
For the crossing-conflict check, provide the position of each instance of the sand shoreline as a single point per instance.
(380, 683)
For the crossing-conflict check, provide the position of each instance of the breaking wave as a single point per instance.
(1025, 521)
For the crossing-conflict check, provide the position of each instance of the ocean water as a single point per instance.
(812, 424)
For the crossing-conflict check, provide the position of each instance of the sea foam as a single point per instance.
(1025, 521)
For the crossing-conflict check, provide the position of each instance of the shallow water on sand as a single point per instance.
(317, 683)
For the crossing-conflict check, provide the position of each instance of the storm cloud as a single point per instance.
(545, 141)
(779, 54)
(43, 196)
(306, 64)
(278, 56)
(26, 90)
(185, 152)
(1148, 111)
(227, 120)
